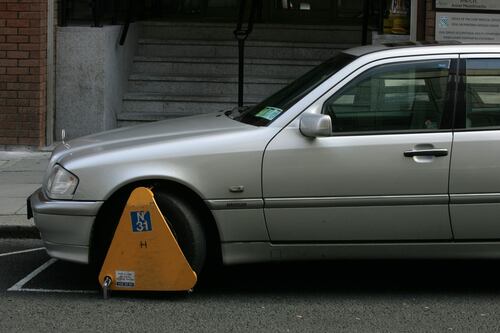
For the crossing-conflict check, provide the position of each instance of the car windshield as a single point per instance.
(275, 105)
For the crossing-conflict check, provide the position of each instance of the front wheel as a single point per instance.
(185, 225)
(183, 221)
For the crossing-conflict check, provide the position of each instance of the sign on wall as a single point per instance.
(468, 27)
(468, 4)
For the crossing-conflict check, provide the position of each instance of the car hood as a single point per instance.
(150, 133)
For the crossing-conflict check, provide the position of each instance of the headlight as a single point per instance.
(61, 183)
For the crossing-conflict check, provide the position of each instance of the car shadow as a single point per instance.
(356, 278)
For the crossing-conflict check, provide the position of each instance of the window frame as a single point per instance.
(450, 102)
(459, 123)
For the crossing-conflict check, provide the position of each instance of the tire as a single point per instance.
(181, 217)
(186, 227)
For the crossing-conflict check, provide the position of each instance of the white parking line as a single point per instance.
(63, 291)
(19, 285)
(27, 278)
(31, 275)
(22, 251)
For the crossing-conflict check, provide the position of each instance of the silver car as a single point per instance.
(380, 152)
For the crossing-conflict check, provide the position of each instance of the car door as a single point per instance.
(475, 167)
(383, 173)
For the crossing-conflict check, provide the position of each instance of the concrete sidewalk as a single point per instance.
(21, 173)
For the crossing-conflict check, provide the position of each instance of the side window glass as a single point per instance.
(395, 97)
(482, 97)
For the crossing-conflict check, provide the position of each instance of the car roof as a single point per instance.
(421, 48)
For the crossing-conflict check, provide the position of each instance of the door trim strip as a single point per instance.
(388, 200)
(310, 202)
(235, 204)
(475, 198)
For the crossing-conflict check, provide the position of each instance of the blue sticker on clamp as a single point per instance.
(141, 221)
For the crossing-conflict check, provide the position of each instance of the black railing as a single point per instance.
(244, 27)
(128, 20)
(93, 12)
(99, 12)
(102, 12)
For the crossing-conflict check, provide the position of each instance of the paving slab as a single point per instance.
(17, 190)
(21, 177)
(19, 219)
(26, 155)
(27, 165)
(9, 206)
(21, 173)
(22, 211)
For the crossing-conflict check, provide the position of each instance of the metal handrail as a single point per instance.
(97, 12)
(128, 19)
(241, 33)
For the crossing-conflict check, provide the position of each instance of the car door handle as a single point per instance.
(427, 152)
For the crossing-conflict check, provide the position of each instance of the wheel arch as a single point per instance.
(115, 203)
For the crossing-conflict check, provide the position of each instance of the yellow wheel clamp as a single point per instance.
(144, 254)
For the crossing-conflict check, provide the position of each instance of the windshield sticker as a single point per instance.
(269, 113)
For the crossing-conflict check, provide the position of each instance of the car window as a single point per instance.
(394, 97)
(482, 97)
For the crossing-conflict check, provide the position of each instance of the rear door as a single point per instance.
(475, 167)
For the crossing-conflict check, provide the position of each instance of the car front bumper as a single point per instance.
(65, 226)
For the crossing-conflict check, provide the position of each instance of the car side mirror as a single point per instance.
(315, 125)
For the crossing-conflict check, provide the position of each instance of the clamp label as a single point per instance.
(141, 221)
(125, 279)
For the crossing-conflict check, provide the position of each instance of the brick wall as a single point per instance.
(23, 68)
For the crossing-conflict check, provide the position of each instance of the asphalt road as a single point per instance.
(343, 296)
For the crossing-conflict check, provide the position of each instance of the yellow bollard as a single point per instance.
(144, 254)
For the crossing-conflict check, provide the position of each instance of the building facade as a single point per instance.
(23, 72)
(67, 65)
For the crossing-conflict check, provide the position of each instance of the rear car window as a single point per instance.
(482, 95)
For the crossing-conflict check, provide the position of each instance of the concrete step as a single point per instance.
(221, 66)
(139, 108)
(262, 32)
(186, 68)
(132, 122)
(209, 85)
(131, 118)
(159, 105)
(136, 118)
(229, 49)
